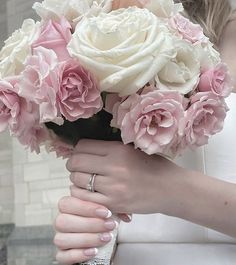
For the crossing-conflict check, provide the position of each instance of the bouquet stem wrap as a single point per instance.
(105, 253)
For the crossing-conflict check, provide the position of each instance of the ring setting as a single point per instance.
(90, 185)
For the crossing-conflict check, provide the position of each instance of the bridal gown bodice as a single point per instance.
(161, 240)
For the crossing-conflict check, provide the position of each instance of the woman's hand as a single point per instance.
(127, 181)
(81, 228)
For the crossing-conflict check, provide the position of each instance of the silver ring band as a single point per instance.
(90, 185)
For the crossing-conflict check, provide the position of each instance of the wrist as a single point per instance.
(178, 191)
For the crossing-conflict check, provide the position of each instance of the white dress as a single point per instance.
(161, 240)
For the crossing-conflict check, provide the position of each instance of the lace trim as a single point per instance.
(96, 262)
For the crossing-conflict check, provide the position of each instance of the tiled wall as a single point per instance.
(30, 185)
(39, 182)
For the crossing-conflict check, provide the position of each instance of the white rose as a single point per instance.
(72, 10)
(163, 8)
(125, 49)
(181, 73)
(209, 57)
(17, 48)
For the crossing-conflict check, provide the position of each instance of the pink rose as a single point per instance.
(40, 84)
(20, 116)
(25, 125)
(216, 80)
(205, 117)
(55, 36)
(79, 95)
(9, 103)
(59, 88)
(189, 31)
(151, 120)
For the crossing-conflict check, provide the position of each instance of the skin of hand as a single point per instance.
(126, 178)
(129, 181)
(81, 228)
(77, 219)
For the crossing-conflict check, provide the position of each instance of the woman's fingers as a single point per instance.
(95, 147)
(67, 223)
(85, 195)
(87, 163)
(73, 256)
(81, 227)
(66, 241)
(81, 180)
(72, 205)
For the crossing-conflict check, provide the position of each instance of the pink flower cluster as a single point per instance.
(166, 122)
(52, 87)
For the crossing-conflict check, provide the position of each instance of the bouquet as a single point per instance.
(136, 71)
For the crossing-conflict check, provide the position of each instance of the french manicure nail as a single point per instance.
(106, 237)
(111, 224)
(91, 252)
(103, 213)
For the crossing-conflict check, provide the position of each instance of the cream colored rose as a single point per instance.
(162, 8)
(125, 49)
(72, 10)
(209, 57)
(182, 72)
(17, 48)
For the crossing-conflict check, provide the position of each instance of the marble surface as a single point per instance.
(5, 231)
(3, 252)
(31, 246)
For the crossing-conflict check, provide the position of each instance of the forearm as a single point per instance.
(205, 201)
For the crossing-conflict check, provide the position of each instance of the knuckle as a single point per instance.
(68, 164)
(76, 192)
(122, 172)
(59, 240)
(63, 203)
(72, 177)
(71, 163)
(119, 190)
(60, 222)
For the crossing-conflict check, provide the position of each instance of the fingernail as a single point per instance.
(91, 252)
(103, 213)
(129, 218)
(106, 237)
(111, 224)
